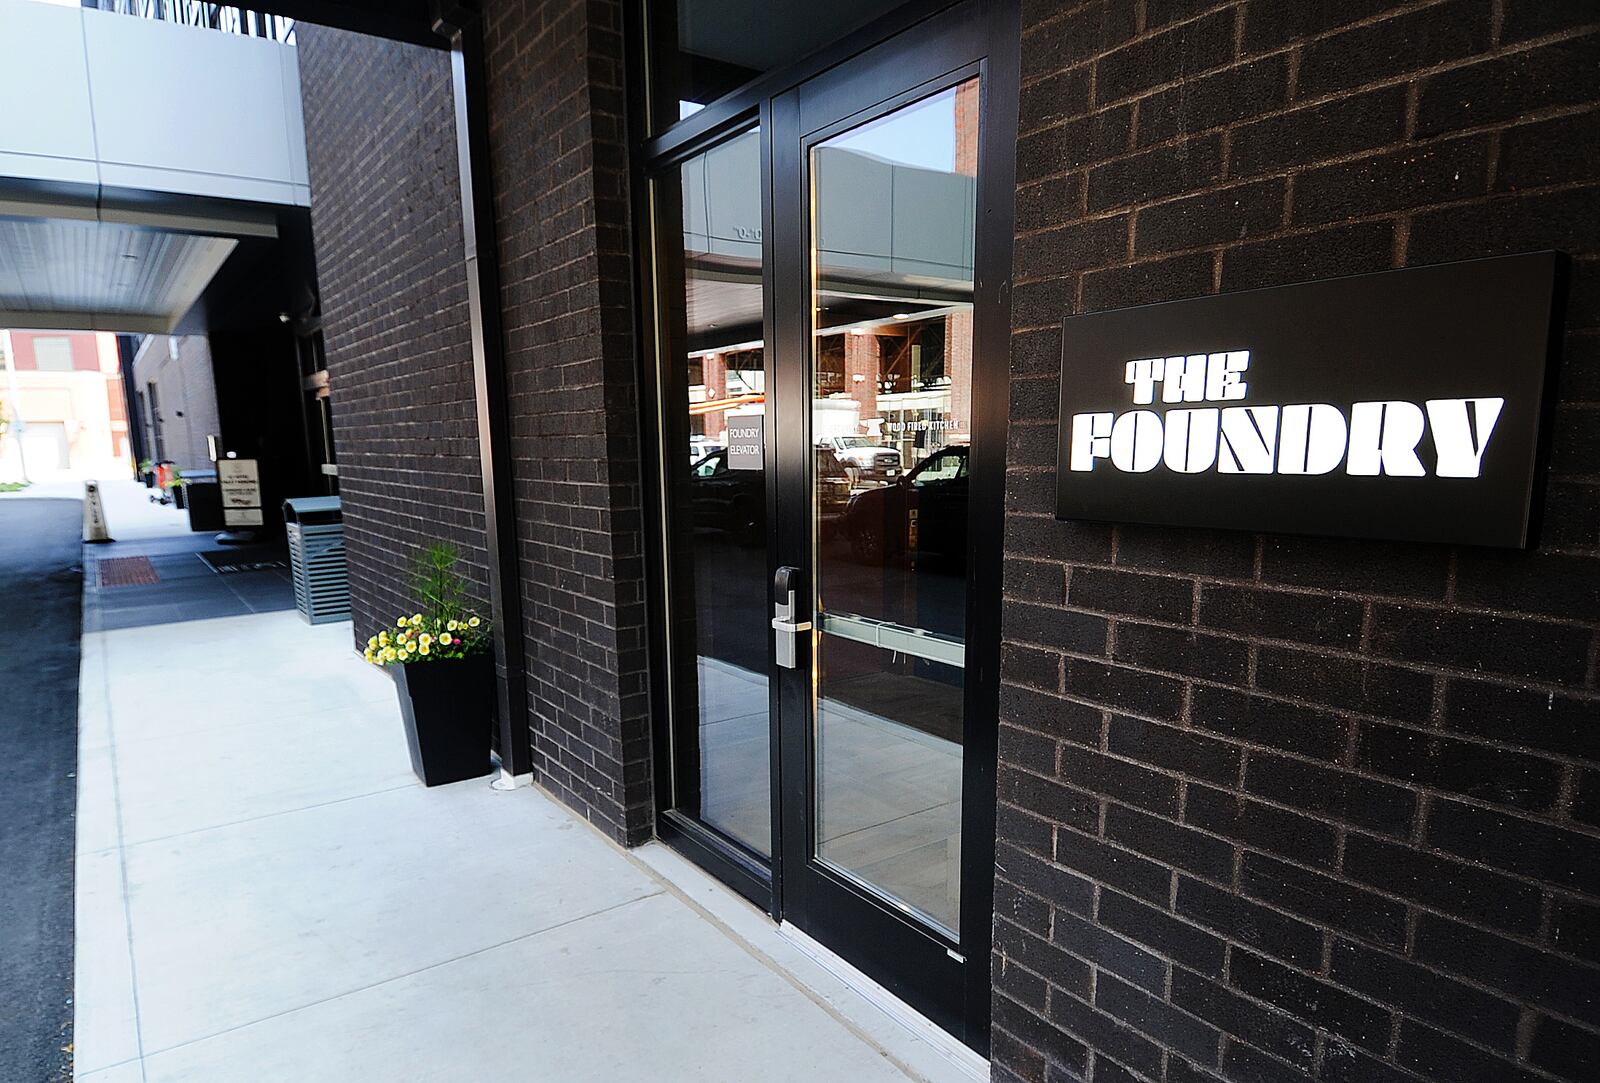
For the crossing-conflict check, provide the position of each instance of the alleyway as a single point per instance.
(266, 893)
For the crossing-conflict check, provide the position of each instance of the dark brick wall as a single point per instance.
(386, 218)
(1281, 808)
(559, 155)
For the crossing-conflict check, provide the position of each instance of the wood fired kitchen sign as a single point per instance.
(1402, 405)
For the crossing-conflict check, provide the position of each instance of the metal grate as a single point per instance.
(316, 560)
(126, 572)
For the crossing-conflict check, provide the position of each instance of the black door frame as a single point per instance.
(914, 51)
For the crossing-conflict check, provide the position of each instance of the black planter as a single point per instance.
(448, 707)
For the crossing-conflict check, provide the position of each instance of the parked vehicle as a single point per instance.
(866, 459)
(734, 501)
(922, 516)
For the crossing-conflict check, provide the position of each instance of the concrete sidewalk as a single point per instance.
(266, 893)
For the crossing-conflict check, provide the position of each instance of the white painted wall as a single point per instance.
(96, 97)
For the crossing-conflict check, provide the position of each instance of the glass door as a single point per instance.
(831, 345)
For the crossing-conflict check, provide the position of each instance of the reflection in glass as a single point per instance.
(893, 206)
(712, 387)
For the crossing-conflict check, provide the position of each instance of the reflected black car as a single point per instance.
(734, 502)
(923, 516)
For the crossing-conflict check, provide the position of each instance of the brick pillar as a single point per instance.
(714, 376)
(861, 359)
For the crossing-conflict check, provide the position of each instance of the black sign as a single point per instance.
(1400, 405)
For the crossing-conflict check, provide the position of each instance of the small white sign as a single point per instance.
(240, 482)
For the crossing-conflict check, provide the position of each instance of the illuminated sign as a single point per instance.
(1399, 405)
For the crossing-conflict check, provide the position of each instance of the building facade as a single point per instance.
(745, 403)
(68, 417)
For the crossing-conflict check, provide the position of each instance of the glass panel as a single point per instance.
(702, 49)
(714, 410)
(893, 204)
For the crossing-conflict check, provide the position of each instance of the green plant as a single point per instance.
(444, 628)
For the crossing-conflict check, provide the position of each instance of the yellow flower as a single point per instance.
(473, 623)
(424, 648)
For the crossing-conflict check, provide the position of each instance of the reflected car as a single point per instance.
(922, 516)
(733, 502)
(866, 459)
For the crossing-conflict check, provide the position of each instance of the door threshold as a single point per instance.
(911, 1041)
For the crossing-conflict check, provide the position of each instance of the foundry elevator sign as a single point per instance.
(1401, 405)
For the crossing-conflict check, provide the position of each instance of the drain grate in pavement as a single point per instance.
(127, 572)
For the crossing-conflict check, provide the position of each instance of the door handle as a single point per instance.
(785, 626)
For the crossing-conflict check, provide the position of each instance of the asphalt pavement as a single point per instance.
(41, 621)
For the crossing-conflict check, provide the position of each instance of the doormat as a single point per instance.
(254, 558)
(126, 572)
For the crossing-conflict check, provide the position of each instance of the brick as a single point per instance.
(1269, 1027)
(1346, 683)
(1225, 215)
(1173, 749)
(1436, 882)
(1149, 175)
(1413, 176)
(1472, 641)
(1049, 799)
(1522, 972)
(1182, 650)
(1240, 716)
(1556, 855)
(1323, 900)
(1035, 581)
(1062, 629)
(1050, 714)
(1327, 253)
(1173, 1029)
(1076, 246)
(1565, 1050)
(1419, 992)
(1575, 928)
(1271, 614)
(1211, 553)
(1504, 88)
(1393, 47)
(1251, 924)
(1161, 932)
(1352, 1018)
(1127, 594)
(1261, 827)
(1464, 767)
(1272, 24)
(1169, 843)
(1119, 779)
(1064, 890)
(1317, 133)
(1214, 100)
(1348, 798)
(1113, 865)
(1546, 584)
(1123, 688)
(1357, 567)
(1430, 1052)
(1503, 225)
(1546, 152)
(1166, 56)
(1106, 1035)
